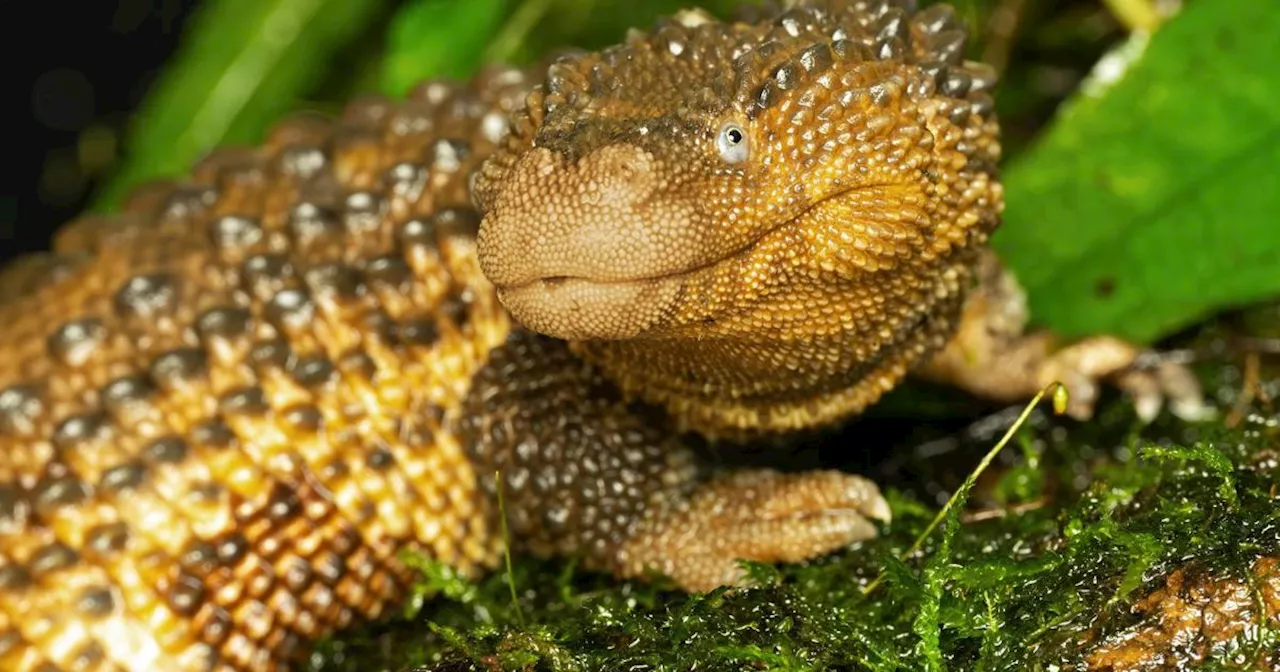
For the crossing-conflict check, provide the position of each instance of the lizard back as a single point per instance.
(224, 412)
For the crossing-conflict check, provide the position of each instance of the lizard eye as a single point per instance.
(732, 143)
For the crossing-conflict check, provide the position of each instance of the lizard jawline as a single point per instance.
(577, 308)
(583, 308)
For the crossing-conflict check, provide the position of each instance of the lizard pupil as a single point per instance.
(732, 143)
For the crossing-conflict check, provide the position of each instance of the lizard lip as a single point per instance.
(578, 308)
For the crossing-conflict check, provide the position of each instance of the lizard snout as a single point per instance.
(571, 245)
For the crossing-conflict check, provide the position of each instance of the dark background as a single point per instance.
(76, 70)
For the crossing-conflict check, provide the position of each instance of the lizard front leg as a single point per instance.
(585, 474)
(993, 355)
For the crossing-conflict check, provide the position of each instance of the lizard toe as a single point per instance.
(758, 515)
(1151, 381)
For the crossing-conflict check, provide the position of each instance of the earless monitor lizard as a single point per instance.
(227, 410)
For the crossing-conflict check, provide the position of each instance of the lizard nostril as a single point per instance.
(625, 166)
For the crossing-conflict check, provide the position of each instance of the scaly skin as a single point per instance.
(225, 412)
(783, 291)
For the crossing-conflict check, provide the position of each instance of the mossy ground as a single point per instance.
(1040, 569)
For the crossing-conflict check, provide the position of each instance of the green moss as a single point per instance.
(1089, 530)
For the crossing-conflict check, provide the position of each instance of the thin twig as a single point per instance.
(506, 547)
(1002, 511)
(1059, 403)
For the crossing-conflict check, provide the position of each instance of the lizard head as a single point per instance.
(626, 178)
(741, 191)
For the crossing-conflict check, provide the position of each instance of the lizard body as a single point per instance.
(225, 411)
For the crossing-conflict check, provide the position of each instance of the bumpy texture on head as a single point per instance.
(758, 226)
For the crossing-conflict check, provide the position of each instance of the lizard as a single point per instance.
(228, 409)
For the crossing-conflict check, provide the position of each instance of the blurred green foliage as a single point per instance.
(243, 65)
(1148, 204)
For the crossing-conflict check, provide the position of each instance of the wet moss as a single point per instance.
(1071, 547)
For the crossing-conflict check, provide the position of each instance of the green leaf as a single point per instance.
(438, 38)
(243, 65)
(1151, 202)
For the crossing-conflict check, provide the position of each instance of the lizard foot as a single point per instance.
(759, 515)
(991, 354)
(1149, 379)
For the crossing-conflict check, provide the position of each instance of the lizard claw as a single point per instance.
(1151, 381)
(759, 515)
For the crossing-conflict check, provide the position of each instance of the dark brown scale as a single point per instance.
(126, 390)
(273, 354)
(52, 558)
(119, 480)
(74, 342)
(302, 162)
(363, 211)
(246, 401)
(422, 332)
(338, 280)
(448, 154)
(168, 449)
(311, 370)
(12, 506)
(14, 577)
(96, 602)
(9, 640)
(187, 595)
(417, 231)
(60, 491)
(225, 323)
(109, 539)
(263, 275)
(147, 296)
(313, 224)
(20, 409)
(306, 419)
(78, 430)
(291, 310)
(90, 656)
(233, 234)
(176, 367)
(188, 201)
(389, 270)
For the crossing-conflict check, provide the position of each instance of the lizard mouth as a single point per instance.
(577, 308)
(581, 307)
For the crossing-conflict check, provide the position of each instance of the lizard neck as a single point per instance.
(744, 386)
